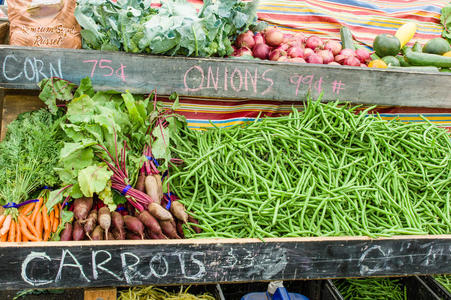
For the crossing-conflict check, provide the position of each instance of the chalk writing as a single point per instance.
(239, 79)
(32, 256)
(76, 264)
(31, 69)
(133, 270)
(105, 64)
(337, 86)
(128, 264)
(306, 82)
(100, 266)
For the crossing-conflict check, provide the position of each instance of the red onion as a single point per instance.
(287, 37)
(333, 46)
(352, 61)
(295, 43)
(295, 52)
(283, 58)
(297, 60)
(308, 52)
(297, 40)
(276, 54)
(242, 51)
(245, 40)
(326, 55)
(363, 55)
(340, 59)
(363, 65)
(334, 63)
(273, 36)
(314, 59)
(314, 42)
(261, 51)
(283, 47)
(347, 53)
(300, 37)
(259, 38)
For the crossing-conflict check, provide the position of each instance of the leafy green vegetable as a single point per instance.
(94, 179)
(55, 89)
(445, 19)
(113, 26)
(29, 153)
(66, 217)
(99, 125)
(175, 29)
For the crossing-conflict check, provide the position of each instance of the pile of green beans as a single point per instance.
(328, 170)
(371, 288)
(445, 281)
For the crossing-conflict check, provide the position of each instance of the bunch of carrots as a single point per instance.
(29, 223)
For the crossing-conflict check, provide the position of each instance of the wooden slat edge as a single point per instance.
(223, 241)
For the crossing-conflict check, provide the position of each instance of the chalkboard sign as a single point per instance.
(120, 263)
(23, 68)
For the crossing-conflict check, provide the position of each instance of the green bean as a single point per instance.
(323, 171)
(371, 288)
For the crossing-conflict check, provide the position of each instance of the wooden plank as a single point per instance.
(23, 68)
(101, 294)
(15, 104)
(129, 263)
(2, 96)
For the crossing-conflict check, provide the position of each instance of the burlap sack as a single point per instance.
(43, 23)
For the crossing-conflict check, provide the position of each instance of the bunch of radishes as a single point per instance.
(274, 45)
(94, 221)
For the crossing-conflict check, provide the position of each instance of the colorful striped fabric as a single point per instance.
(365, 18)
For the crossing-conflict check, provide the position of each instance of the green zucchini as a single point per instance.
(402, 61)
(346, 38)
(426, 59)
(417, 47)
(445, 70)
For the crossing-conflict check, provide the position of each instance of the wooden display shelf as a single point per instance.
(24, 67)
(129, 263)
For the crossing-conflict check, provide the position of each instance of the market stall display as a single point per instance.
(269, 195)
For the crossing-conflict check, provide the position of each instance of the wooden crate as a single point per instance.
(157, 262)
(14, 102)
(24, 67)
(127, 263)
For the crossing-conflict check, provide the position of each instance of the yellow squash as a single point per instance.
(406, 32)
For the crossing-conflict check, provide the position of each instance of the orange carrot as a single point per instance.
(57, 211)
(24, 238)
(39, 225)
(2, 219)
(30, 226)
(36, 210)
(18, 233)
(46, 221)
(52, 219)
(12, 232)
(23, 227)
(4, 237)
(6, 225)
(55, 224)
(25, 210)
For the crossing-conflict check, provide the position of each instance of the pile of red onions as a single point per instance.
(273, 44)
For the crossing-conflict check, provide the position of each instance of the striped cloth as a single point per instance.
(365, 18)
